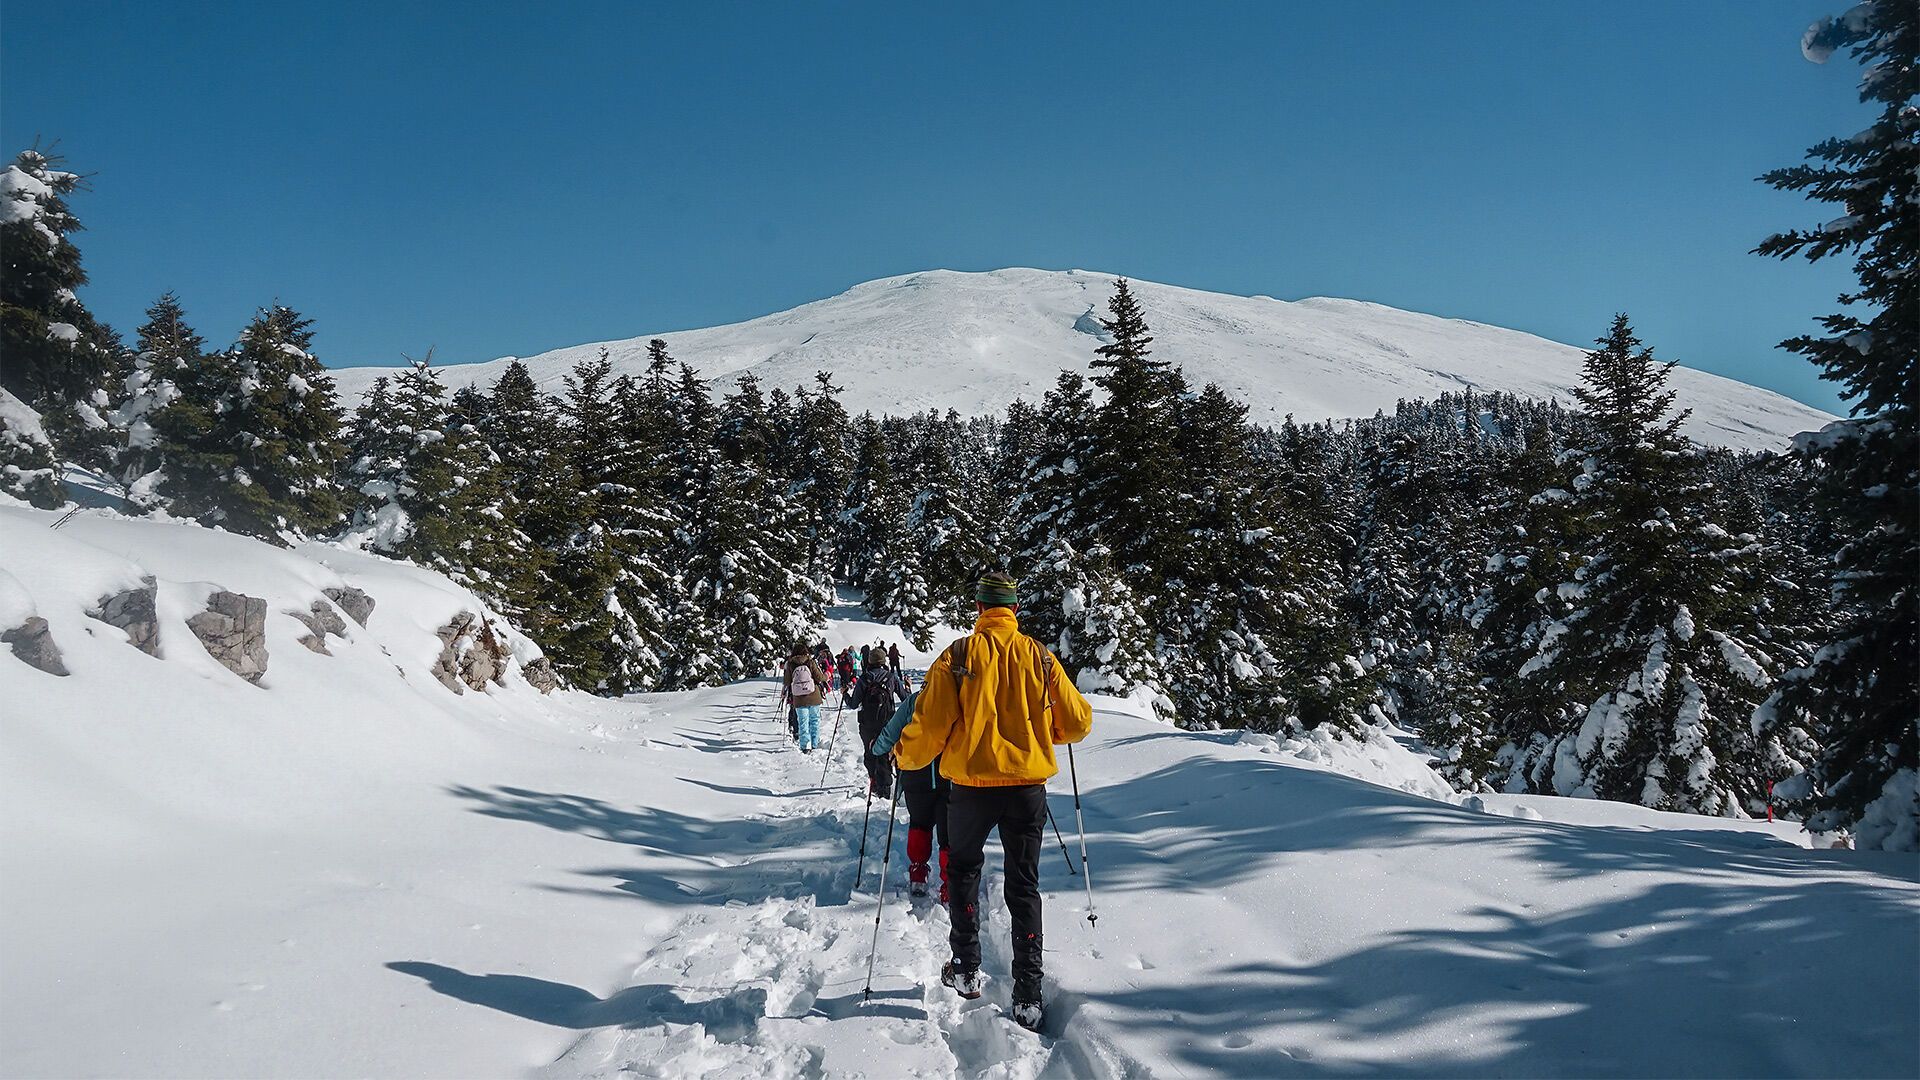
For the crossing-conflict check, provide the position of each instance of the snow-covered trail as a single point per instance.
(1260, 917)
(764, 975)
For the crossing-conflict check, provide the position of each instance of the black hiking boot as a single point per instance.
(1027, 1010)
(967, 984)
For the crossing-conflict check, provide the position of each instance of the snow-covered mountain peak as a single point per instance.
(975, 341)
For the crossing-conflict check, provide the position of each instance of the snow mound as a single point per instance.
(976, 341)
(1374, 757)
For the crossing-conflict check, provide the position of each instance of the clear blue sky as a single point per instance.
(494, 179)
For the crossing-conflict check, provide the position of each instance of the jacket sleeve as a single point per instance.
(936, 709)
(891, 733)
(1072, 713)
(854, 694)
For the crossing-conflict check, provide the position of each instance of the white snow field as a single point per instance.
(976, 341)
(349, 870)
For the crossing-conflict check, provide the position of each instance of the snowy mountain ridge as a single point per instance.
(944, 339)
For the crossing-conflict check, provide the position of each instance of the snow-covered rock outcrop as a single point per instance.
(184, 595)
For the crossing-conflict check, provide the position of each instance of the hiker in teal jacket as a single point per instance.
(926, 792)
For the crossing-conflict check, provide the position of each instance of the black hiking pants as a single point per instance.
(879, 766)
(1020, 813)
(925, 791)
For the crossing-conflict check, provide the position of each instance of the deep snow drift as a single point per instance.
(349, 869)
(974, 342)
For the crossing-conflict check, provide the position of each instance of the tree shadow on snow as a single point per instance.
(729, 1019)
(1204, 822)
(1679, 979)
(1720, 953)
(760, 792)
(687, 857)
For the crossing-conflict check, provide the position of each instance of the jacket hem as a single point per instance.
(1022, 781)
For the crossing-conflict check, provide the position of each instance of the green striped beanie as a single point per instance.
(997, 590)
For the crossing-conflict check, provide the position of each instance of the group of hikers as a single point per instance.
(972, 751)
(813, 673)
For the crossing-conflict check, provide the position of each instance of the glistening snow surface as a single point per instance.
(349, 870)
(976, 341)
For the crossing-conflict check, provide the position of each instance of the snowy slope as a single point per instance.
(974, 342)
(350, 870)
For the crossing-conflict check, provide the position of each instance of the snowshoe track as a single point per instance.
(767, 982)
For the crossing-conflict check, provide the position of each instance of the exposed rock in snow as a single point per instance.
(320, 619)
(471, 654)
(541, 676)
(133, 611)
(356, 603)
(234, 630)
(33, 642)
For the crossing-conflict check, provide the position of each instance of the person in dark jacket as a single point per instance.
(844, 664)
(823, 656)
(875, 696)
(893, 658)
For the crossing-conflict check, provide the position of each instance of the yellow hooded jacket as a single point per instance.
(997, 728)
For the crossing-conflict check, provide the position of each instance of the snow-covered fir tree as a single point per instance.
(1861, 692)
(1421, 551)
(1043, 460)
(252, 442)
(1102, 641)
(1534, 537)
(817, 463)
(429, 488)
(28, 469)
(873, 511)
(1293, 530)
(746, 597)
(1253, 625)
(626, 537)
(1131, 477)
(557, 594)
(1457, 716)
(57, 360)
(1658, 644)
(942, 540)
(168, 350)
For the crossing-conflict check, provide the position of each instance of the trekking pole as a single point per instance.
(886, 860)
(833, 742)
(1081, 823)
(1063, 841)
(864, 819)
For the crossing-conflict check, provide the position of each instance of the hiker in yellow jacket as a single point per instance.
(992, 709)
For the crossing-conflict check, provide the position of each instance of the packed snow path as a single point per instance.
(765, 975)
